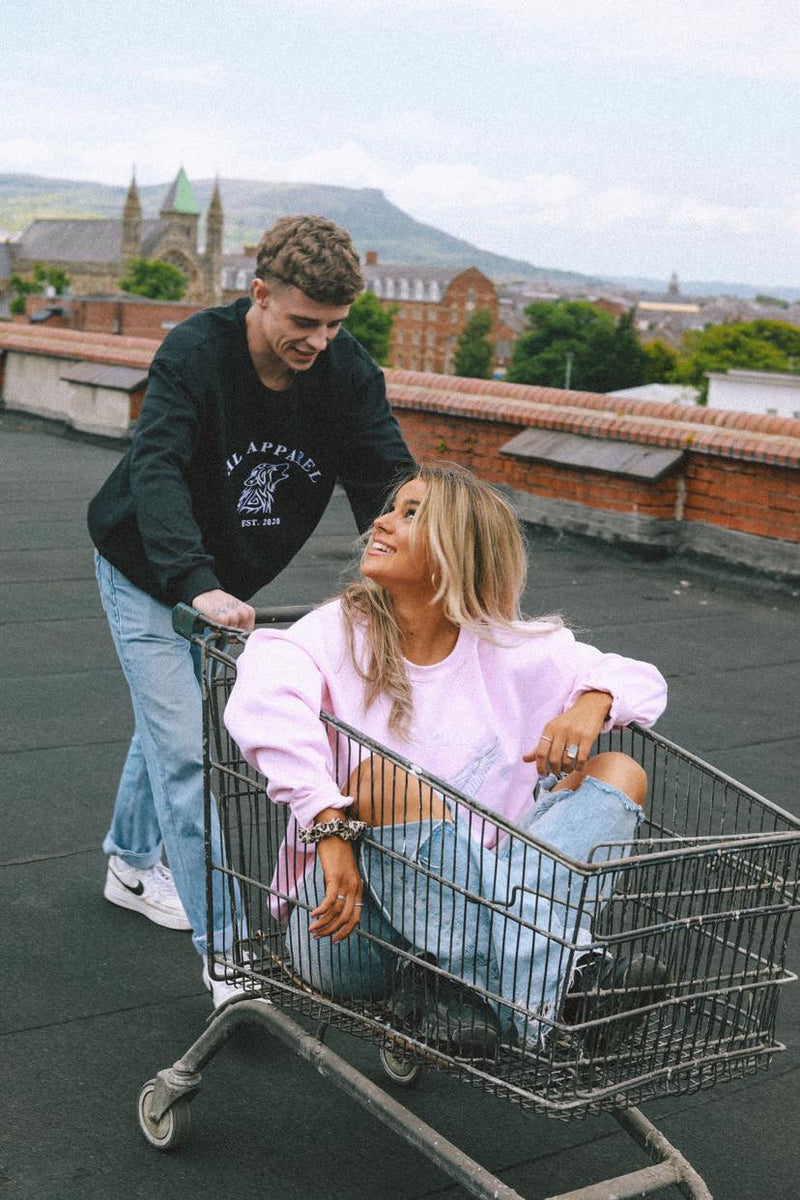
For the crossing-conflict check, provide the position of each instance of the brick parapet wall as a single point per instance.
(747, 436)
(116, 315)
(478, 447)
(739, 470)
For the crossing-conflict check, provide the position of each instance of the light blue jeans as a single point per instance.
(159, 802)
(512, 940)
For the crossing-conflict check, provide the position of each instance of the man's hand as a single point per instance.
(224, 609)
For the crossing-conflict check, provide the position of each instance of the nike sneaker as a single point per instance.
(150, 892)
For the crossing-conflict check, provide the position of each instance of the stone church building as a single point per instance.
(95, 251)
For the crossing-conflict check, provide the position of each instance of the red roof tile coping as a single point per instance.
(749, 436)
(109, 348)
(451, 384)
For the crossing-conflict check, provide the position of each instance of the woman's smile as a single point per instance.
(378, 547)
(392, 538)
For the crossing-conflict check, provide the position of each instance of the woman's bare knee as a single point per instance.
(385, 794)
(622, 772)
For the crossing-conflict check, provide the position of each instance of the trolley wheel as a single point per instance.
(401, 1070)
(173, 1128)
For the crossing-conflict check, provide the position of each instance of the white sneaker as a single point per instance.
(221, 989)
(150, 892)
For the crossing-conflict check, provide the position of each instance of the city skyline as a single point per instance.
(606, 137)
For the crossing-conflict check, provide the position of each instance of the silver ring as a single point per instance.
(341, 897)
(358, 904)
(545, 738)
(572, 751)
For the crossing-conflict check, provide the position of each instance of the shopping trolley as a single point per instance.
(652, 969)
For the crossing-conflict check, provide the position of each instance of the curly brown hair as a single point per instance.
(312, 254)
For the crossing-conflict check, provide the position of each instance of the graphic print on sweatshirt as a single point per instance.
(472, 776)
(265, 483)
(259, 488)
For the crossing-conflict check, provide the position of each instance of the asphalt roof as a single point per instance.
(97, 999)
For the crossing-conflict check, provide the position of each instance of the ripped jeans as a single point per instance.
(504, 920)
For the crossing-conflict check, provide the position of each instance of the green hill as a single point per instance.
(250, 207)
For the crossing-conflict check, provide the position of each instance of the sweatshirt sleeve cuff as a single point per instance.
(306, 809)
(200, 579)
(613, 713)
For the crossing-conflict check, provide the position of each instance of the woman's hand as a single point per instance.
(339, 913)
(567, 740)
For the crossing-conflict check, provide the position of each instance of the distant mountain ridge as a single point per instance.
(696, 288)
(251, 207)
(376, 224)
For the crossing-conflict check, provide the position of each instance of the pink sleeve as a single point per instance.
(638, 689)
(273, 715)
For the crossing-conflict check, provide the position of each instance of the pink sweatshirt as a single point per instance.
(474, 714)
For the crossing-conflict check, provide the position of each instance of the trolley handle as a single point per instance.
(190, 623)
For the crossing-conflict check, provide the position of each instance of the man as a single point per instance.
(252, 412)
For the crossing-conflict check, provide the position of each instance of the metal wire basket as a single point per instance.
(705, 892)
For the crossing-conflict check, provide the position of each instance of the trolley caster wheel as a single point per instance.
(173, 1128)
(401, 1070)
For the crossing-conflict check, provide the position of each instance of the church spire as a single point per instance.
(215, 205)
(213, 253)
(180, 198)
(131, 222)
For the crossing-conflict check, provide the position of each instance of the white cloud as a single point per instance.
(453, 186)
(616, 205)
(109, 159)
(550, 199)
(727, 218)
(746, 38)
(188, 74)
(441, 192)
(347, 165)
(792, 216)
(25, 155)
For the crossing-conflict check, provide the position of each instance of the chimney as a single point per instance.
(372, 258)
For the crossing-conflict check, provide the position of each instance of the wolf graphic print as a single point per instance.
(258, 494)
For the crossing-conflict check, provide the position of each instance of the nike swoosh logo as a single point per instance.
(136, 888)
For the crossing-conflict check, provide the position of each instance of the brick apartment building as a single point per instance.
(431, 307)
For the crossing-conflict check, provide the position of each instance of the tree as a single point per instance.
(371, 324)
(473, 354)
(774, 301)
(42, 278)
(759, 345)
(661, 362)
(155, 279)
(624, 362)
(573, 338)
(51, 277)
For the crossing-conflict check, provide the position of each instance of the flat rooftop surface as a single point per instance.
(98, 999)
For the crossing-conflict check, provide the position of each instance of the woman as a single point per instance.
(427, 655)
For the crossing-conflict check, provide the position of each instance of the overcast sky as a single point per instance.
(618, 137)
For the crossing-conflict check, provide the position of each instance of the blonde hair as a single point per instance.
(476, 550)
